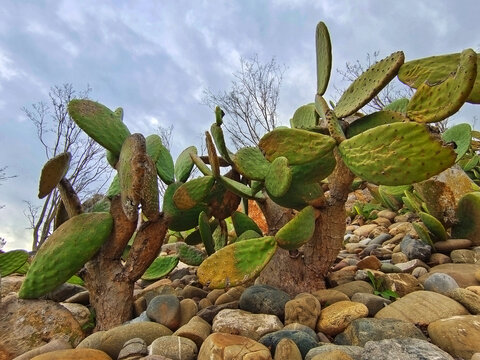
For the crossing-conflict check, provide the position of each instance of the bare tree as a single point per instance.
(57, 132)
(250, 104)
(393, 91)
(3, 177)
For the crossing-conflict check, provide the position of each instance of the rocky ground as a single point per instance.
(436, 314)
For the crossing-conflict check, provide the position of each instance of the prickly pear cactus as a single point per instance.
(193, 192)
(461, 135)
(468, 214)
(278, 178)
(237, 263)
(324, 57)
(161, 157)
(11, 261)
(52, 172)
(242, 223)
(190, 255)
(297, 231)
(65, 252)
(184, 164)
(160, 267)
(434, 226)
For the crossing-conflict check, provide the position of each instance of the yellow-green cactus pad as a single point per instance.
(432, 103)
(100, 123)
(434, 70)
(184, 164)
(374, 119)
(368, 85)
(249, 234)
(461, 135)
(399, 105)
(434, 226)
(160, 267)
(52, 172)
(179, 220)
(237, 263)
(297, 231)
(279, 177)
(242, 223)
(297, 145)
(396, 154)
(324, 57)
(161, 157)
(305, 117)
(250, 162)
(193, 192)
(65, 252)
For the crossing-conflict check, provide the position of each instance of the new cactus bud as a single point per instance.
(219, 139)
(305, 117)
(212, 155)
(53, 171)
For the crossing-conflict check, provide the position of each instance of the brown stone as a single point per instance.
(449, 245)
(11, 284)
(398, 258)
(188, 309)
(405, 228)
(422, 307)
(382, 221)
(369, 262)
(304, 309)
(345, 275)
(196, 330)
(335, 318)
(402, 284)
(354, 287)
(332, 355)
(329, 296)
(467, 298)
(286, 349)
(74, 354)
(54, 345)
(365, 230)
(475, 289)
(464, 274)
(220, 346)
(231, 295)
(458, 335)
(438, 259)
(463, 256)
(388, 214)
(27, 324)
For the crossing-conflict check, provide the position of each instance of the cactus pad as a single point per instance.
(206, 233)
(190, 255)
(212, 155)
(468, 215)
(161, 157)
(160, 267)
(434, 70)
(242, 223)
(305, 117)
(368, 85)
(193, 192)
(297, 145)
(422, 233)
(204, 169)
(301, 194)
(240, 189)
(250, 162)
(434, 226)
(432, 103)
(249, 234)
(222, 202)
(65, 252)
(52, 172)
(396, 154)
(323, 47)
(279, 177)
(219, 139)
(461, 135)
(100, 123)
(237, 263)
(184, 164)
(399, 105)
(297, 231)
(372, 120)
(11, 261)
(179, 220)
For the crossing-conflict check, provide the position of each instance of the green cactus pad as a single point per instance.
(323, 48)
(114, 188)
(237, 263)
(206, 233)
(372, 120)
(432, 103)
(242, 222)
(212, 155)
(399, 105)
(193, 192)
(297, 231)
(297, 145)
(412, 201)
(305, 117)
(315, 170)
(161, 157)
(334, 127)
(434, 226)
(368, 85)
(301, 194)
(391, 196)
(219, 139)
(160, 267)
(100, 123)
(249, 234)
(279, 177)
(468, 164)
(240, 189)
(11, 261)
(76, 280)
(396, 154)
(204, 169)
(422, 233)
(468, 215)
(52, 172)
(184, 164)
(434, 70)
(65, 252)
(179, 220)
(250, 162)
(219, 114)
(220, 237)
(190, 255)
(461, 135)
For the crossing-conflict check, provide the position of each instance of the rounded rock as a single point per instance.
(165, 310)
(174, 347)
(220, 346)
(335, 318)
(287, 350)
(440, 283)
(264, 299)
(303, 341)
(304, 309)
(74, 354)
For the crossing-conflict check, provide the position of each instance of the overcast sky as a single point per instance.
(155, 58)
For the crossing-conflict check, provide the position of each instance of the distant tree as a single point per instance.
(3, 177)
(57, 133)
(251, 103)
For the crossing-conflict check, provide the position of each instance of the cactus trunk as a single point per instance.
(306, 271)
